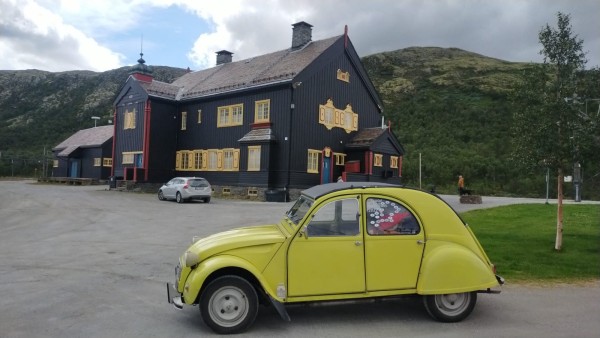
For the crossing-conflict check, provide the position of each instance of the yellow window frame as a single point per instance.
(312, 165)
(254, 153)
(228, 116)
(262, 111)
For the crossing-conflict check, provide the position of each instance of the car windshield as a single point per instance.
(198, 183)
(300, 208)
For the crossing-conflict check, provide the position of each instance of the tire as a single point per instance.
(450, 308)
(229, 304)
(179, 198)
(161, 197)
(207, 200)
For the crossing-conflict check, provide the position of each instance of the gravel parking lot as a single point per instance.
(83, 261)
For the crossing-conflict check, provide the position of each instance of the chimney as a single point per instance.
(224, 56)
(301, 34)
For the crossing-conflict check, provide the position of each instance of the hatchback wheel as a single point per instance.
(161, 196)
(452, 307)
(179, 198)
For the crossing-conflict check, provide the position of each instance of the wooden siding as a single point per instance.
(129, 140)
(163, 141)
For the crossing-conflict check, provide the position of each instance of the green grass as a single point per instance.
(519, 239)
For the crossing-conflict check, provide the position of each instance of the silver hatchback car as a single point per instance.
(183, 189)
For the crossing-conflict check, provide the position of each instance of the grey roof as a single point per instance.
(86, 138)
(262, 70)
(323, 189)
(366, 137)
(259, 134)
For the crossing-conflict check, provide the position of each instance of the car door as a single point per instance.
(170, 188)
(394, 244)
(327, 256)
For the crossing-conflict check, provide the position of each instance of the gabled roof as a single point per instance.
(86, 138)
(281, 66)
(370, 138)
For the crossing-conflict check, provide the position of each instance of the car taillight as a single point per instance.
(494, 268)
(186, 186)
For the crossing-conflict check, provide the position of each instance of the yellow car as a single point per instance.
(339, 241)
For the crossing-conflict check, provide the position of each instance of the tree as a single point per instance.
(546, 123)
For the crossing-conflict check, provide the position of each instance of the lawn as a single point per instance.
(519, 239)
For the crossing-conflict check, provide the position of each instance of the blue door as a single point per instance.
(138, 160)
(326, 169)
(74, 169)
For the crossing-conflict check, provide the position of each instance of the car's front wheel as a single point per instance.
(229, 304)
(161, 196)
(452, 307)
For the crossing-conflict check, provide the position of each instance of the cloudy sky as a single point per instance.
(98, 35)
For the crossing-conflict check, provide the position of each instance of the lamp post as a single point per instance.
(95, 118)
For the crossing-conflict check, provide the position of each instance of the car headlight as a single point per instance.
(190, 259)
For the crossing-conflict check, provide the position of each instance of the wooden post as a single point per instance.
(559, 212)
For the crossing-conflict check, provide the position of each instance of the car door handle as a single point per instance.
(358, 243)
(420, 241)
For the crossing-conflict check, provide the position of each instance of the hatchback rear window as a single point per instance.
(198, 183)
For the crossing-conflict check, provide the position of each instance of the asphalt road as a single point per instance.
(87, 262)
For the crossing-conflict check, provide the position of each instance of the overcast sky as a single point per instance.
(98, 35)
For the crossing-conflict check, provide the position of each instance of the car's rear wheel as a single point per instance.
(229, 304)
(179, 198)
(206, 199)
(161, 196)
(452, 307)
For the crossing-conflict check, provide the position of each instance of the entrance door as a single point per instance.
(328, 257)
(74, 169)
(326, 178)
(138, 160)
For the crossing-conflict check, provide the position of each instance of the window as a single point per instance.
(199, 116)
(313, 161)
(213, 160)
(129, 119)
(230, 115)
(198, 160)
(253, 192)
(340, 159)
(254, 158)
(107, 162)
(331, 117)
(378, 161)
(185, 160)
(128, 158)
(55, 164)
(262, 111)
(229, 160)
(183, 120)
(386, 217)
(226, 191)
(97, 162)
(393, 161)
(337, 218)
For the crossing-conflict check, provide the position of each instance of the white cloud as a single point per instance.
(36, 37)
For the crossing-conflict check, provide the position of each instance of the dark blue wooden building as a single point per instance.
(276, 122)
(85, 154)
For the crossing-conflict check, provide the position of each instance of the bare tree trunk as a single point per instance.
(559, 213)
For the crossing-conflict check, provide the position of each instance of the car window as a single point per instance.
(299, 209)
(336, 218)
(386, 217)
(198, 183)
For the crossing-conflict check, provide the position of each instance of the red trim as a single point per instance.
(112, 168)
(146, 147)
(400, 166)
(260, 125)
(142, 77)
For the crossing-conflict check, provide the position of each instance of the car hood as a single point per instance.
(235, 239)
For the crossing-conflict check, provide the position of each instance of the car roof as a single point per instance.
(323, 189)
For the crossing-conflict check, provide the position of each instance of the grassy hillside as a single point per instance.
(448, 105)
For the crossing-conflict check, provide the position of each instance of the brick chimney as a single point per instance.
(301, 34)
(224, 56)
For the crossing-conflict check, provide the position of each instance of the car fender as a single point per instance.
(198, 276)
(453, 268)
